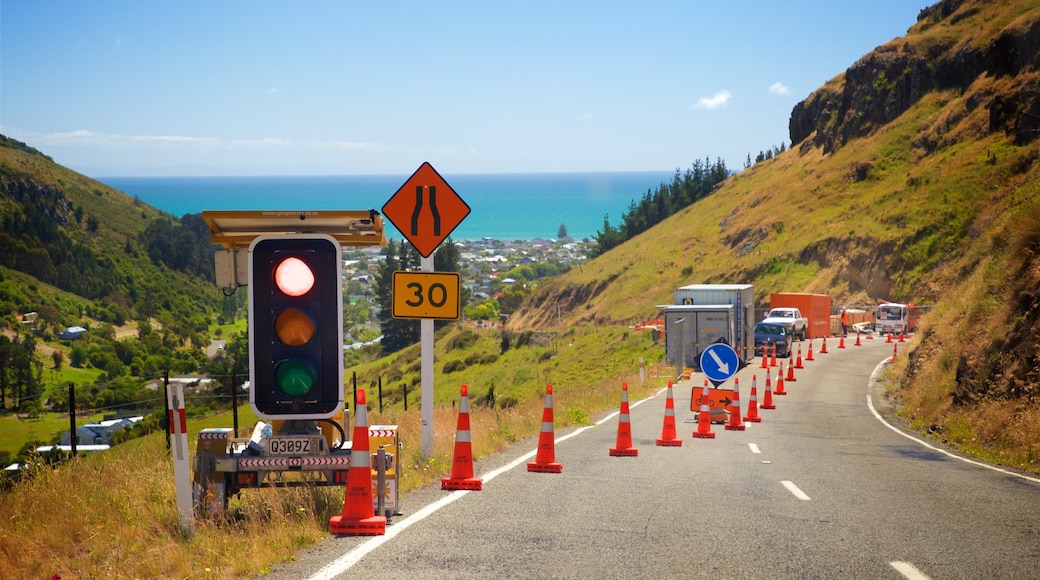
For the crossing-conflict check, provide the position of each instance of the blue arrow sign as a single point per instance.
(719, 362)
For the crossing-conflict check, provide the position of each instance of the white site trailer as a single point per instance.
(688, 330)
(740, 296)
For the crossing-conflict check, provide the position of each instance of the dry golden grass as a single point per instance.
(113, 515)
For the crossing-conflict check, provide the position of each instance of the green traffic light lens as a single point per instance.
(294, 378)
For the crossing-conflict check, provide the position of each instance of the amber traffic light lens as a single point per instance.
(293, 277)
(294, 328)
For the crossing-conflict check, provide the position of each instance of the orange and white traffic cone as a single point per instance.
(767, 399)
(858, 343)
(545, 458)
(734, 409)
(823, 348)
(752, 409)
(798, 361)
(668, 436)
(841, 342)
(902, 335)
(790, 372)
(889, 339)
(772, 360)
(358, 517)
(780, 382)
(623, 447)
(765, 356)
(462, 464)
(809, 356)
(704, 417)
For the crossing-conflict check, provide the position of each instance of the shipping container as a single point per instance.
(815, 307)
(740, 296)
(691, 329)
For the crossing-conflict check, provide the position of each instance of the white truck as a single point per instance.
(791, 318)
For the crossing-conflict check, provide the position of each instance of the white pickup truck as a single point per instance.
(791, 318)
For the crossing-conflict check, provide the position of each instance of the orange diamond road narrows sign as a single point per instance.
(425, 209)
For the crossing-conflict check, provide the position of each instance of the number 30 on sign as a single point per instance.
(426, 295)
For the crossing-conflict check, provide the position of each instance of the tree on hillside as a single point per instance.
(669, 198)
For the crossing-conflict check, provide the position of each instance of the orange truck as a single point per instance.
(815, 307)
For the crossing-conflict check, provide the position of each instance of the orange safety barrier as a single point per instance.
(767, 399)
(462, 463)
(668, 436)
(623, 447)
(734, 410)
(358, 517)
(704, 417)
(780, 382)
(545, 458)
(752, 416)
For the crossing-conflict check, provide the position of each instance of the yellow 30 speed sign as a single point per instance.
(426, 295)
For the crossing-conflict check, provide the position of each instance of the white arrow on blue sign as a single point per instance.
(719, 362)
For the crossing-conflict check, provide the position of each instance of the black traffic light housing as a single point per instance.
(296, 326)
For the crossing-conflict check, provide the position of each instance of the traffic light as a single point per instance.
(295, 326)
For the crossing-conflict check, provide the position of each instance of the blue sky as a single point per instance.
(323, 87)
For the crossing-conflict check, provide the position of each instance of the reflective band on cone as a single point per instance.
(462, 464)
(358, 518)
(545, 458)
(668, 435)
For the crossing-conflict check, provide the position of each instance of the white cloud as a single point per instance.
(715, 101)
(778, 88)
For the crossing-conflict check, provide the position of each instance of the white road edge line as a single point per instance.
(870, 404)
(908, 570)
(348, 560)
(791, 487)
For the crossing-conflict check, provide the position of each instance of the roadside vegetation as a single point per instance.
(114, 514)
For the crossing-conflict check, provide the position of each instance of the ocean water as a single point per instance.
(502, 206)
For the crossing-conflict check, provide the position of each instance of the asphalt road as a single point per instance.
(828, 485)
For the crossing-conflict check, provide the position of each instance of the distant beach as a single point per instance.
(503, 206)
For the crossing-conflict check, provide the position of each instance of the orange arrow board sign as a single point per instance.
(425, 210)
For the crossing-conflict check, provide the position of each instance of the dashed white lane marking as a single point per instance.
(791, 487)
(908, 571)
(753, 448)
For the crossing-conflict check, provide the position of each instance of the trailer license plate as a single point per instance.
(293, 446)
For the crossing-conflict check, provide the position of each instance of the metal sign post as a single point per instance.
(426, 373)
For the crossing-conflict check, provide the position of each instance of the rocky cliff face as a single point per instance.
(888, 81)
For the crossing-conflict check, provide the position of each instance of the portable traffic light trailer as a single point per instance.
(292, 263)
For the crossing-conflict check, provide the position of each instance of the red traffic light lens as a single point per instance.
(294, 328)
(293, 277)
(294, 378)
